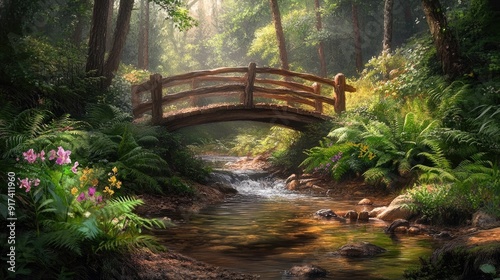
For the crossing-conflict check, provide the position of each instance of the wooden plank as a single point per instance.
(196, 74)
(201, 91)
(298, 93)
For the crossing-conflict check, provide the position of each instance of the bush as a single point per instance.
(68, 213)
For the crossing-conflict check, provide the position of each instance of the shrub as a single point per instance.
(68, 213)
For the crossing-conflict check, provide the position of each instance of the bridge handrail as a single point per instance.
(291, 91)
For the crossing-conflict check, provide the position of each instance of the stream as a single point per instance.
(266, 229)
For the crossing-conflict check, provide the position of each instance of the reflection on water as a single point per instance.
(265, 230)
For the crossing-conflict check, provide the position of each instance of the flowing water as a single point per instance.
(266, 230)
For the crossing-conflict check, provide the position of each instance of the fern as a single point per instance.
(122, 228)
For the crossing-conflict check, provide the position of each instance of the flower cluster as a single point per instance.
(325, 167)
(113, 182)
(60, 157)
(364, 151)
(90, 195)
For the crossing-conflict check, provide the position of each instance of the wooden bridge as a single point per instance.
(237, 94)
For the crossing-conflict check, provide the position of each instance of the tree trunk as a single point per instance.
(109, 38)
(279, 34)
(321, 48)
(120, 36)
(387, 42)
(97, 40)
(445, 42)
(357, 38)
(143, 56)
(81, 20)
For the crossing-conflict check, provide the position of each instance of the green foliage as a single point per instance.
(47, 76)
(383, 152)
(290, 159)
(66, 216)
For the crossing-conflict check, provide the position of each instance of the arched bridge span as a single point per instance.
(250, 93)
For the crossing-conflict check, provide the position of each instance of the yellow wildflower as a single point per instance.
(118, 184)
(115, 170)
(95, 182)
(74, 191)
(112, 180)
(108, 190)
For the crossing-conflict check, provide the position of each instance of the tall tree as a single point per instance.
(388, 18)
(446, 44)
(321, 48)
(357, 38)
(109, 38)
(279, 34)
(97, 40)
(119, 39)
(143, 55)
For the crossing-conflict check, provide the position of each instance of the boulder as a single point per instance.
(414, 230)
(483, 220)
(396, 224)
(365, 201)
(364, 216)
(351, 215)
(359, 249)
(325, 214)
(398, 209)
(293, 185)
(376, 211)
(224, 188)
(291, 178)
(307, 271)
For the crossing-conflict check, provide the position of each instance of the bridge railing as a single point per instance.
(246, 87)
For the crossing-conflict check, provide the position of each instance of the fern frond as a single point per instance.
(378, 174)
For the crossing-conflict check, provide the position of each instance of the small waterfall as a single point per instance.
(253, 183)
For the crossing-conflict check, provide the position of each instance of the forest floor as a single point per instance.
(172, 265)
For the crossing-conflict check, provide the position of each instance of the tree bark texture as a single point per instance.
(120, 36)
(357, 38)
(97, 40)
(109, 38)
(445, 42)
(143, 55)
(279, 34)
(321, 48)
(388, 19)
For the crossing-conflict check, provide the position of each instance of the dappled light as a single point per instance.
(360, 140)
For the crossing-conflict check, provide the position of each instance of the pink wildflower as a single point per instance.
(25, 183)
(52, 154)
(74, 167)
(63, 156)
(91, 191)
(36, 182)
(41, 155)
(98, 199)
(30, 156)
(81, 197)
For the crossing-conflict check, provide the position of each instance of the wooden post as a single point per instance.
(194, 99)
(250, 80)
(318, 103)
(135, 99)
(156, 98)
(339, 93)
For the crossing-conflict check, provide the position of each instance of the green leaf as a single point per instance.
(488, 269)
